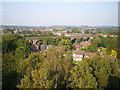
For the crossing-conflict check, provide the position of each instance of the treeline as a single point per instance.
(37, 34)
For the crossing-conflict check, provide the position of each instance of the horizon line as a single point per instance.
(55, 25)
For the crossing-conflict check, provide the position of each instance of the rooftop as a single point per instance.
(89, 54)
(79, 52)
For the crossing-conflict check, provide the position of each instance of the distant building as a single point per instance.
(78, 55)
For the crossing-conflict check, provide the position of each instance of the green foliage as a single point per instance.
(14, 49)
(75, 30)
(9, 75)
(8, 30)
(66, 43)
(51, 71)
(103, 68)
(93, 73)
(109, 42)
(78, 40)
(50, 41)
(87, 31)
(82, 77)
(25, 32)
(9, 42)
(75, 62)
(9, 79)
(8, 62)
(23, 48)
(83, 49)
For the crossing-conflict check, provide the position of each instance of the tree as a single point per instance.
(93, 73)
(113, 53)
(94, 45)
(9, 74)
(75, 30)
(23, 49)
(82, 77)
(9, 42)
(87, 31)
(14, 49)
(66, 43)
(51, 71)
(8, 30)
(78, 40)
(103, 69)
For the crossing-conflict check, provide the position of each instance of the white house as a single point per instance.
(78, 55)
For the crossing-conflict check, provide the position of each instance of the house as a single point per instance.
(43, 47)
(35, 48)
(34, 39)
(84, 44)
(114, 35)
(101, 48)
(59, 33)
(105, 35)
(72, 34)
(54, 33)
(78, 55)
(76, 46)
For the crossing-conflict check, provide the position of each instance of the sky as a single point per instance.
(60, 0)
(60, 13)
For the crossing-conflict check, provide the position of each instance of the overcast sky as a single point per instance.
(59, 13)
